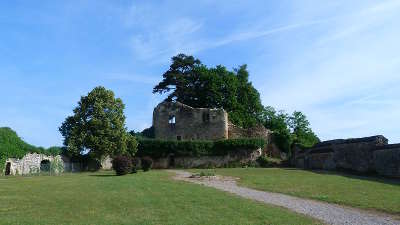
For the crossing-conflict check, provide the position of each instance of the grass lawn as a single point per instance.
(357, 191)
(143, 198)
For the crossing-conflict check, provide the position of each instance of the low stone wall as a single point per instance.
(387, 161)
(240, 158)
(370, 154)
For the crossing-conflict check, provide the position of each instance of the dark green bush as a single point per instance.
(266, 162)
(147, 163)
(224, 147)
(122, 165)
(162, 148)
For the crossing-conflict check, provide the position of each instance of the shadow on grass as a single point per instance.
(102, 175)
(354, 175)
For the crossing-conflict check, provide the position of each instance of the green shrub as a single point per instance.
(265, 161)
(122, 165)
(224, 147)
(207, 173)
(147, 163)
(162, 148)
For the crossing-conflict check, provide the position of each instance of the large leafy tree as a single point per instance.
(289, 129)
(301, 130)
(277, 121)
(98, 126)
(192, 83)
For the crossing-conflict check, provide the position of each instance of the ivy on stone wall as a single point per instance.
(162, 148)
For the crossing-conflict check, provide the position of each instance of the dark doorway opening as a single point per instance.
(8, 168)
(171, 161)
(45, 166)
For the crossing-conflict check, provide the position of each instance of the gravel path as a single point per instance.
(328, 213)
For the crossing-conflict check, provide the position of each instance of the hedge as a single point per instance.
(162, 148)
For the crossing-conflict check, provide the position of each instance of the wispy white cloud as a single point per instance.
(341, 80)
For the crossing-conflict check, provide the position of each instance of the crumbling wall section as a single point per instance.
(30, 164)
(177, 121)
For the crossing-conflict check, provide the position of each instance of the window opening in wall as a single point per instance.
(172, 121)
(178, 138)
(206, 117)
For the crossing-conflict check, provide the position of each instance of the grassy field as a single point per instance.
(143, 198)
(362, 192)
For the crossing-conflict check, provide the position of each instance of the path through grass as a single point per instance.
(357, 191)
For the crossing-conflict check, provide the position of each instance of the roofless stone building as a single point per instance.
(177, 121)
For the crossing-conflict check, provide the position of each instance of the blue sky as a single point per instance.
(337, 61)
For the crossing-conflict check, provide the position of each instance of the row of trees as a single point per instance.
(97, 126)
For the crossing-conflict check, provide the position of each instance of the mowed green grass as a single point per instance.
(143, 198)
(357, 191)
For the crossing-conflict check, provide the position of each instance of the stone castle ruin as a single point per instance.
(34, 163)
(177, 121)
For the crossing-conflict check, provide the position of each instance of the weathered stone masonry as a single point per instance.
(369, 154)
(177, 121)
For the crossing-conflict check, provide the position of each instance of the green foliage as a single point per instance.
(301, 131)
(162, 148)
(265, 161)
(98, 126)
(289, 129)
(223, 147)
(122, 165)
(12, 146)
(190, 82)
(147, 163)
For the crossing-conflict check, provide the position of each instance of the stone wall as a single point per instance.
(176, 121)
(257, 131)
(30, 164)
(370, 154)
(240, 158)
(387, 160)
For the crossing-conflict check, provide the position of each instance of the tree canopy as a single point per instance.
(289, 129)
(98, 126)
(192, 83)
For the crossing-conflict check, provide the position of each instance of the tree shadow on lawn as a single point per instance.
(103, 175)
(354, 175)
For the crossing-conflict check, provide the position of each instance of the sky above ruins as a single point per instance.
(336, 61)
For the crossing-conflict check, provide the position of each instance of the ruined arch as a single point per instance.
(45, 165)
